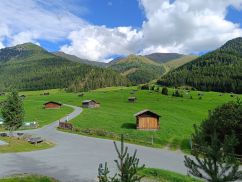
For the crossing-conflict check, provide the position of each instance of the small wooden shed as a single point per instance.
(52, 105)
(147, 120)
(132, 99)
(90, 104)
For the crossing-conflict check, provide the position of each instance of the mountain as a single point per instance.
(26, 52)
(163, 57)
(138, 69)
(142, 69)
(219, 70)
(79, 60)
(30, 67)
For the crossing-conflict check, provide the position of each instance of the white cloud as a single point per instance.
(185, 26)
(29, 20)
(188, 25)
(99, 42)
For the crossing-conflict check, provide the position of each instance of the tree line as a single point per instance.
(56, 72)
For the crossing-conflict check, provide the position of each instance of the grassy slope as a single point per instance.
(178, 114)
(28, 178)
(19, 145)
(173, 64)
(33, 106)
(158, 175)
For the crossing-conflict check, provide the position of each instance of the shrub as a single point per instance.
(164, 91)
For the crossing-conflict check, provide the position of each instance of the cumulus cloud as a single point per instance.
(183, 26)
(188, 26)
(30, 20)
(100, 42)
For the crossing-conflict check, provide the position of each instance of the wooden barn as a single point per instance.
(147, 120)
(52, 105)
(90, 104)
(132, 99)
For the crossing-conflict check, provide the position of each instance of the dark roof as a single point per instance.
(146, 111)
(52, 102)
(87, 101)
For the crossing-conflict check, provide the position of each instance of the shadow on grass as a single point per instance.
(129, 126)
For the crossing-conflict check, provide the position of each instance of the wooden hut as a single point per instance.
(132, 99)
(147, 120)
(52, 105)
(90, 104)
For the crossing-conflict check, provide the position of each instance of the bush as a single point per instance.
(164, 91)
(144, 87)
(177, 94)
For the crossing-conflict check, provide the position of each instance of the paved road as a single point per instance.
(76, 158)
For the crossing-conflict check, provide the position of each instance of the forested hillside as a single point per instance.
(220, 70)
(29, 67)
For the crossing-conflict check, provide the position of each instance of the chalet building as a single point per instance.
(147, 120)
(90, 104)
(52, 105)
(132, 99)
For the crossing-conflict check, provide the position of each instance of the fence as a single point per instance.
(150, 139)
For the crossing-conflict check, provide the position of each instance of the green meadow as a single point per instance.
(116, 115)
(178, 115)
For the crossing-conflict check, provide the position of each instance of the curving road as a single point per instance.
(76, 158)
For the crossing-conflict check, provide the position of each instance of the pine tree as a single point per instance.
(13, 112)
(215, 161)
(127, 165)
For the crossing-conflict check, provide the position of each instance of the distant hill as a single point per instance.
(138, 69)
(219, 70)
(79, 60)
(142, 69)
(163, 57)
(30, 67)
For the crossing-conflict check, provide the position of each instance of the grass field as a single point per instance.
(115, 116)
(33, 106)
(158, 175)
(19, 145)
(178, 115)
(28, 178)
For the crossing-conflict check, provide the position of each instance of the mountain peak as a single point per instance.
(23, 52)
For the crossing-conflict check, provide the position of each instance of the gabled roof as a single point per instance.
(87, 101)
(52, 102)
(145, 111)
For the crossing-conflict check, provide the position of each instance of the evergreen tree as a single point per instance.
(164, 91)
(127, 165)
(216, 143)
(215, 162)
(13, 112)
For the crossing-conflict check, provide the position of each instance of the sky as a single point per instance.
(99, 30)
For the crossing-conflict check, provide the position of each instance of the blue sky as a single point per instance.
(99, 29)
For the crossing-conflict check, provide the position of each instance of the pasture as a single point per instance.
(115, 116)
(178, 115)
